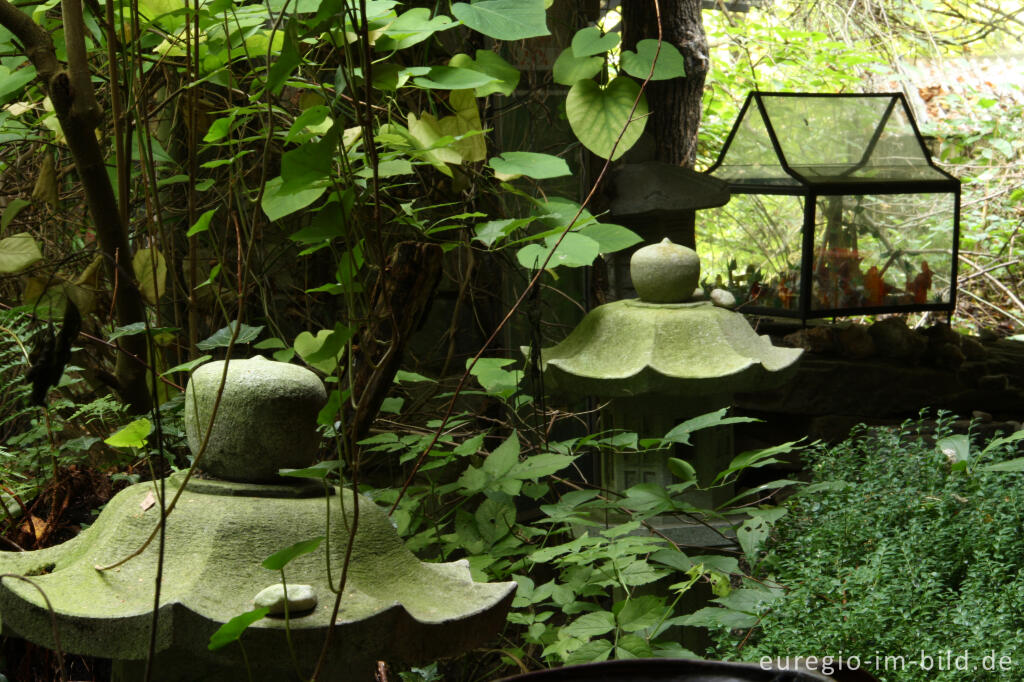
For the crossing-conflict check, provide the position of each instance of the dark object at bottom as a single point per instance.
(667, 670)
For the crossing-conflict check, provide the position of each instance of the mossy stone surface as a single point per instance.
(631, 347)
(266, 419)
(394, 606)
(665, 272)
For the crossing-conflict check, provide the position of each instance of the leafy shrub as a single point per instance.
(903, 546)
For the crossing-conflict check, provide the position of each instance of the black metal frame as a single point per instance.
(811, 190)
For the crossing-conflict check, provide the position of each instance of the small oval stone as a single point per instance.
(723, 298)
(300, 598)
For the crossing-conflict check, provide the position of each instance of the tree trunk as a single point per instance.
(675, 104)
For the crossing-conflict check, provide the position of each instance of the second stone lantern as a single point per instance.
(665, 357)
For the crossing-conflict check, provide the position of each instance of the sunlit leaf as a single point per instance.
(569, 68)
(233, 629)
(17, 252)
(278, 203)
(531, 164)
(202, 224)
(600, 117)
(670, 63)
(504, 19)
(133, 435)
(151, 271)
(280, 559)
(590, 41)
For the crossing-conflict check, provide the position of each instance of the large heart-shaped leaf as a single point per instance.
(504, 19)
(590, 41)
(599, 116)
(569, 68)
(670, 63)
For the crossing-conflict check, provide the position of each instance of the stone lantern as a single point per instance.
(665, 357)
(394, 607)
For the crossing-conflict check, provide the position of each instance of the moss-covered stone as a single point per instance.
(265, 421)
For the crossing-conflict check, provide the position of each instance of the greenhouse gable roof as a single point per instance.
(831, 143)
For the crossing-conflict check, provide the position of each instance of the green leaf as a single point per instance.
(590, 625)
(202, 224)
(681, 433)
(711, 616)
(504, 19)
(320, 470)
(957, 450)
(187, 366)
(222, 337)
(599, 116)
(277, 202)
(575, 250)
(13, 81)
(1009, 465)
(502, 458)
(133, 435)
(219, 129)
(751, 601)
(11, 212)
(493, 230)
(590, 41)
(640, 613)
(682, 470)
(568, 68)
(313, 117)
(150, 269)
(139, 328)
(506, 76)
(453, 78)
(494, 379)
(531, 164)
(610, 237)
(538, 466)
(324, 350)
(753, 459)
(997, 443)
(402, 375)
(751, 535)
(233, 629)
(410, 28)
(309, 164)
(495, 519)
(670, 63)
(594, 651)
(285, 60)
(17, 252)
(278, 560)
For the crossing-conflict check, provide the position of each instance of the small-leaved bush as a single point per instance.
(905, 547)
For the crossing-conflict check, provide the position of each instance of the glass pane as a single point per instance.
(751, 158)
(886, 249)
(751, 246)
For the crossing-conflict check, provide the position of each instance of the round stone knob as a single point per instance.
(665, 272)
(266, 419)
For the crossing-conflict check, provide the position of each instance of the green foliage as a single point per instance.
(902, 545)
(594, 581)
